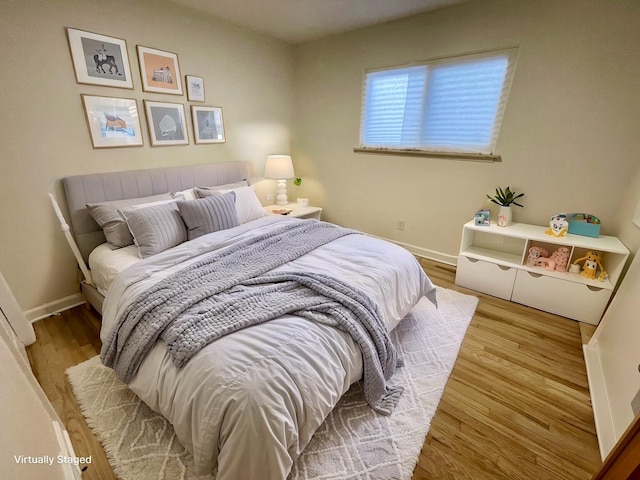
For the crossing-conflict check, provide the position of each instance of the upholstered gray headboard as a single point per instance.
(101, 187)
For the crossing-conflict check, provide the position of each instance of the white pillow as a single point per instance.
(150, 204)
(248, 207)
(227, 186)
(188, 194)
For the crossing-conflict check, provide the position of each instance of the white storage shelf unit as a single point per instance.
(493, 260)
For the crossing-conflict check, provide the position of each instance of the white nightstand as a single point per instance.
(296, 211)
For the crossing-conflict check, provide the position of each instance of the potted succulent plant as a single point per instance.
(505, 198)
(302, 202)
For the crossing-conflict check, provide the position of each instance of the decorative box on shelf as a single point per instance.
(494, 260)
(482, 218)
(584, 224)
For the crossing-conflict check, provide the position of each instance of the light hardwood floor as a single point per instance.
(516, 405)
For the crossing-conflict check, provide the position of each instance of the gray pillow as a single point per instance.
(112, 224)
(209, 214)
(190, 193)
(248, 207)
(156, 228)
(205, 192)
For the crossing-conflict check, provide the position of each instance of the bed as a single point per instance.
(243, 337)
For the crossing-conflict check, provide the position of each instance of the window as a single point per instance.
(448, 105)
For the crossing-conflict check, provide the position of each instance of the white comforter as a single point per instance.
(250, 402)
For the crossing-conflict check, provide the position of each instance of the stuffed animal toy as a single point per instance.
(534, 254)
(547, 263)
(558, 225)
(561, 258)
(590, 267)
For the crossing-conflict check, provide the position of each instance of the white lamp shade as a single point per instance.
(279, 167)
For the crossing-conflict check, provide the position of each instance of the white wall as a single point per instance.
(45, 135)
(613, 359)
(569, 139)
(27, 419)
(629, 233)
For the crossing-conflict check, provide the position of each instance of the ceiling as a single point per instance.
(298, 21)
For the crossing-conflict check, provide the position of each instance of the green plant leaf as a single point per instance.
(505, 197)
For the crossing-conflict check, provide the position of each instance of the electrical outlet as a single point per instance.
(497, 239)
(400, 224)
(270, 197)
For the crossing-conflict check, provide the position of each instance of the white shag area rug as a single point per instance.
(354, 442)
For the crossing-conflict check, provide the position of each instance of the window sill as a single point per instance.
(470, 157)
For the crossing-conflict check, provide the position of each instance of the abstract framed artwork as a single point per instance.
(112, 122)
(159, 70)
(167, 123)
(195, 88)
(99, 59)
(208, 126)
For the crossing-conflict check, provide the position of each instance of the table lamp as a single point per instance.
(279, 167)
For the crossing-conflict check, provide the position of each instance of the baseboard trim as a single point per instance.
(605, 428)
(52, 308)
(424, 252)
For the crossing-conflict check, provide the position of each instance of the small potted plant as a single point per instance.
(505, 198)
(302, 202)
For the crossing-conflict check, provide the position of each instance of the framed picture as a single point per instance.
(167, 123)
(208, 126)
(195, 88)
(159, 70)
(99, 60)
(112, 122)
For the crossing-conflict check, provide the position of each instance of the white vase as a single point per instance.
(504, 216)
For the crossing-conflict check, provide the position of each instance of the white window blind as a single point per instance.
(450, 105)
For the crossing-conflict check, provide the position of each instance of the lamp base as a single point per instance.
(281, 199)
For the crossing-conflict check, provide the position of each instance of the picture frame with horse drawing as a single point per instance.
(167, 123)
(112, 122)
(99, 59)
(159, 70)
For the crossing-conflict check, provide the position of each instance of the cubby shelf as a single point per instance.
(493, 259)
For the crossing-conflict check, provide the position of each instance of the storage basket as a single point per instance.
(584, 224)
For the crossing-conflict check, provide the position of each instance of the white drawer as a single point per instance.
(485, 277)
(562, 297)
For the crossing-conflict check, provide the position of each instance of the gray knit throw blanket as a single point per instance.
(234, 288)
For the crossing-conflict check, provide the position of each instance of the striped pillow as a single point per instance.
(209, 214)
(155, 228)
(248, 207)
